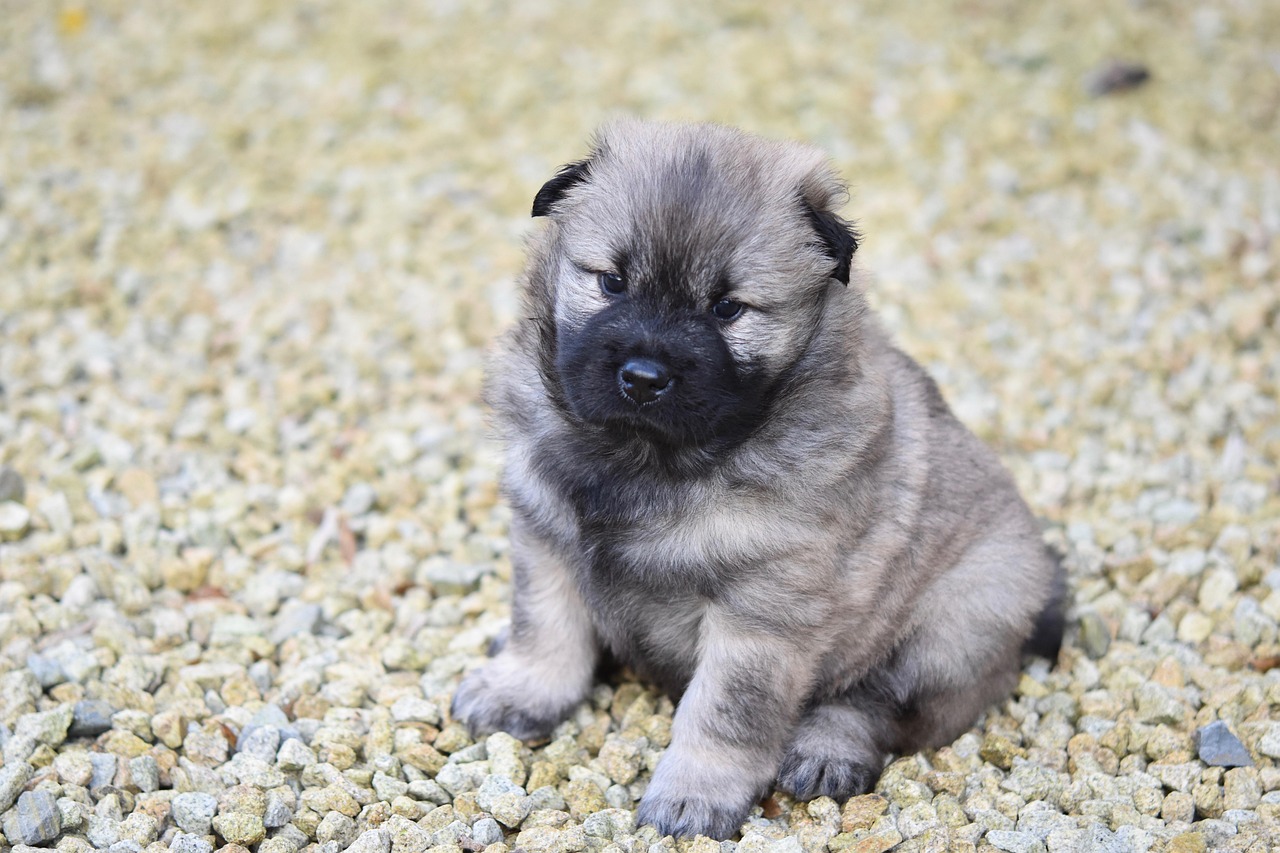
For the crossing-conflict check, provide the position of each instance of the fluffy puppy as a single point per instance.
(723, 474)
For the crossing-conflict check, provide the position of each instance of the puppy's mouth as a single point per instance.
(637, 404)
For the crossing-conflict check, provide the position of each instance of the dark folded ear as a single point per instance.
(836, 237)
(553, 190)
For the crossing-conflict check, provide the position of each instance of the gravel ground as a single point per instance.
(251, 254)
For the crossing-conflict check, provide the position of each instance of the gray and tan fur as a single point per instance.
(793, 534)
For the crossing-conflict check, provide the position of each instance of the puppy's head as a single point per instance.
(683, 276)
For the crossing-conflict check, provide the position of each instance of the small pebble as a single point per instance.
(1117, 76)
(1218, 747)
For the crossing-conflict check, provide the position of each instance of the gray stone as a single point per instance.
(103, 831)
(1218, 747)
(34, 820)
(609, 823)
(462, 778)
(1095, 637)
(359, 499)
(47, 727)
(1215, 832)
(1269, 744)
(90, 718)
(18, 749)
(12, 486)
(371, 841)
(336, 827)
(428, 790)
(254, 771)
(294, 755)
(1015, 842)
(78, 665)
(452, 833)
(13, 777)
(72, 813)
(109, 804)
(145, 773)
(272, 715)
(193, 812)
(449, 577)
(486, 831)
(504, 799)
(1156, 705)
(475, 752)
(295, 619)
(279, 810)
(46, 670)
(104, 769)
(15, 520)
(547, 797)
(1040, 819)
(388, 788)
(140, 827)
(125, 845)
(240, 828)
(262, 674)
(260, 741)
(185, 842)
(409, 709)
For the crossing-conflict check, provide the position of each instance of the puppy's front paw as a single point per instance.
(688, 814)
(507, 695)
(808, 774)
(689, 797)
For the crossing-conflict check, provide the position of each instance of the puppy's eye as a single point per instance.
(727, 309)
(611, 283)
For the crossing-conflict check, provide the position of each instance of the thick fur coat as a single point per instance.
(724, 475)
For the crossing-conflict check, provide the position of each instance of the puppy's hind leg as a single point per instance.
(837, 750)
(841, 744)
(543, 667)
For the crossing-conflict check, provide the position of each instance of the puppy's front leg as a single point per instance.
(730, 728)
(545, 667)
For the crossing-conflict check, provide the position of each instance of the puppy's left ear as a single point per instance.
(553, 190)
(836, 237)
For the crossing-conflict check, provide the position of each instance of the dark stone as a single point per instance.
(34, 820)
(1218, 747)
(1117, 76)
(90, 718)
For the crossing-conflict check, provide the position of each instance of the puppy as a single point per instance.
(723, 473)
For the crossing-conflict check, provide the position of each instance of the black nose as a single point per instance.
(643, 379)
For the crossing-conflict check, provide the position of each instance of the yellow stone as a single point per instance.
(138, 486)
(861, 812)
(72, 20)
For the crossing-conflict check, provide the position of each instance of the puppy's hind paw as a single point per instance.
(837, 777)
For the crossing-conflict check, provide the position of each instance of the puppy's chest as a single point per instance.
(655, 634)
(647, 591)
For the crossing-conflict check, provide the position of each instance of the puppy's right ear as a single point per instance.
(836, 237)
(553, 190)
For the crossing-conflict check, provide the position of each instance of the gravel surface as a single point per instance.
(251, 254)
